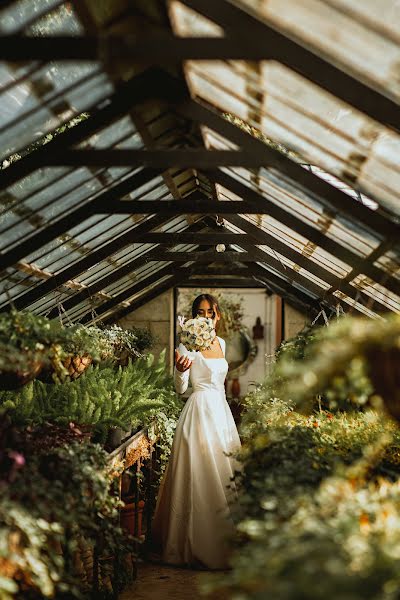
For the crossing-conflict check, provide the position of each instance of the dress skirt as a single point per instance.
(192, 523)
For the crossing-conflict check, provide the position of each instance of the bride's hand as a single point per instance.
(182, 363)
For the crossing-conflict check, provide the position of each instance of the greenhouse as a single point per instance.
(199, 299)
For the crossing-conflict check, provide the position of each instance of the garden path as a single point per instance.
(160, 582)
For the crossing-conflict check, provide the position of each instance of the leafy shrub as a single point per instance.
(54, 497)
(101, 397)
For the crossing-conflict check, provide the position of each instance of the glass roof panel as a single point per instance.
(390, 262)
(346, 30)
(307, 209)
(299, 243)
(37, 98)
(121, 134)
(288, 279)
(279, 189)
(89, 235)
(16, 15)
(49, 203)
(377, 293)
(297, 113)
(318, 127)
(49, 97)
(288, 264)
(114, 261)
(12, 285)
(139, 275)
(355, 304)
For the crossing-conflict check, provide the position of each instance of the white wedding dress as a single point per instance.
(192, 522)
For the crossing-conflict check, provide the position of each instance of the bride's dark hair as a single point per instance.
(197, 301)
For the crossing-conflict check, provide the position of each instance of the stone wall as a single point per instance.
(294, 321)
(156, 315)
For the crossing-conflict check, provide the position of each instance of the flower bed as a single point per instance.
(319, 503)
(32, 346)
(59, 516)
(51, 497)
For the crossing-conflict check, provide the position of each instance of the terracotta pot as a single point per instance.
(127, 518)
(75, 365)
(384, 371)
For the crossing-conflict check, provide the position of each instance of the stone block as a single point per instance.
(161, 330)
(130, 323)
(157, 309)
(157, 349)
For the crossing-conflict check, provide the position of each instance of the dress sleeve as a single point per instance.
(181, 380)
(223, 344)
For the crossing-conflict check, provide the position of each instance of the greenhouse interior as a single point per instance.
(200, 299)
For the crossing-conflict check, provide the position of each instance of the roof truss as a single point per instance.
(263, 42)
(156, 90)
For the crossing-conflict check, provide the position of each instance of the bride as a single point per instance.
(192, 521)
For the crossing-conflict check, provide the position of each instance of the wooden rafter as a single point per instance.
(85, 263)
(262, 42)
(343, 253)
(261, 237)
(330, 75)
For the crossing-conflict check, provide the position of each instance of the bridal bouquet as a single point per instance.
(197, 334)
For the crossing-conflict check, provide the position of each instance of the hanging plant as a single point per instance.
(122, 342)
(145, 340)
(295, 348)
(78, 350)
(107, 345)
(111, 345)
(28, 342)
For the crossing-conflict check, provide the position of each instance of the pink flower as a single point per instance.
(18, 458)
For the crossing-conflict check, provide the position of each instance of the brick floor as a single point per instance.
(161, 582)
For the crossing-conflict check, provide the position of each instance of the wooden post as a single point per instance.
(149, 498)
(278, 321)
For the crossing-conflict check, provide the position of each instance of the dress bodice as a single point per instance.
(206, 374)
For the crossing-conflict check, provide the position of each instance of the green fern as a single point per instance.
(101, 397)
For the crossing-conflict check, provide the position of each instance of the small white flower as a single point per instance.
(198, 333)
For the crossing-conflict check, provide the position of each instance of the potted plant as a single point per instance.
(28, 342)
(145, 340)
(130, 515)
(123, 343)
(79, 347)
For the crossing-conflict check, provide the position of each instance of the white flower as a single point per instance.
(198, 333)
